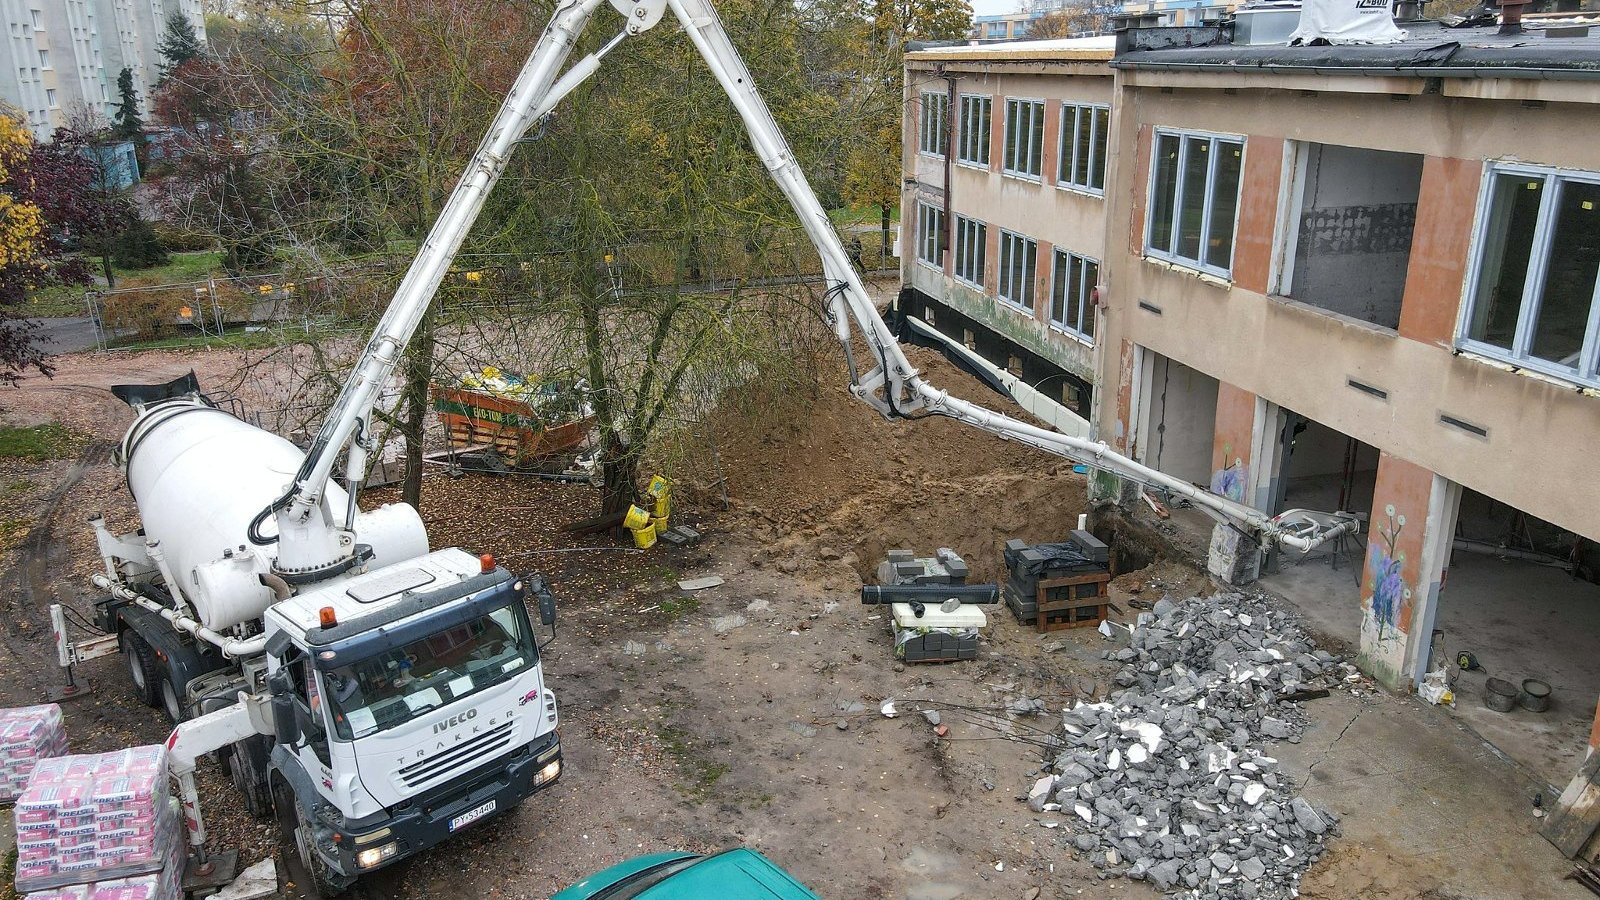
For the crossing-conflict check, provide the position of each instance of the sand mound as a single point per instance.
(829, 485)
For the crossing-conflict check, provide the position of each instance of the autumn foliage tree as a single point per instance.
(49, 199)
(882, 28)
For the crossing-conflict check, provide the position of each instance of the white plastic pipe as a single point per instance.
(233, 648)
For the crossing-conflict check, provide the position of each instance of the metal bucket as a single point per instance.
(1535, 695)
(1499, 695)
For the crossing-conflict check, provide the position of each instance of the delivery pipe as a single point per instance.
(875, 594)
(232, 648)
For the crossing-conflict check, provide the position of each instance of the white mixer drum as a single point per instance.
(199, 476)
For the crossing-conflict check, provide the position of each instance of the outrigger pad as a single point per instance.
(137, 395)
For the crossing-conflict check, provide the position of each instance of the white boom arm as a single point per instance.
(310, 543)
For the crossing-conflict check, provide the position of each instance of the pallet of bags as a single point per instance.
(164, 885)
(27, 735)
(95, 818)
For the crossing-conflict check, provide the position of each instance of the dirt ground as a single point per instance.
(676, 736)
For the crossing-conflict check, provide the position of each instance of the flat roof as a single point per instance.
(1428, 50)
(1099, 48)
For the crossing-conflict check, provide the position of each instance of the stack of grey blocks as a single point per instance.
(1026, 566)
(903, 567)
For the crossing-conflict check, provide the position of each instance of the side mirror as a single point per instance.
(285, 722)
(547, 607)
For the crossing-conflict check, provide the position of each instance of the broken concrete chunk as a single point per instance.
(699, 584)
(725, 624)
(1039, 795)
(1307, 817)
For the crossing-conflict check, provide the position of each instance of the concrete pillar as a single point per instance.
(1408, 544)
(1234, 441)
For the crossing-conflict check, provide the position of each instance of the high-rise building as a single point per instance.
(63, 56)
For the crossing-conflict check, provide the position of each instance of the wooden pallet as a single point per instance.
(511, 428)
(1074, 601)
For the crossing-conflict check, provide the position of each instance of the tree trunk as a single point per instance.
(418, 370)
(618, 466)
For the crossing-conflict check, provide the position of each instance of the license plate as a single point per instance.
(471, 815)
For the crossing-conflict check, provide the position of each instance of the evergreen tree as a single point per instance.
(179, 43)
(129, 124)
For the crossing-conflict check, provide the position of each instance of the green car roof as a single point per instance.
(734, 875)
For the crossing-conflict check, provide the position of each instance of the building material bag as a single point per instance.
(27, 735)
(95, 818)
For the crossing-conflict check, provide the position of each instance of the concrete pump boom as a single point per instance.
(312, 545)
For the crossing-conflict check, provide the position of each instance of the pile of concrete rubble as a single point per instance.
(1167, 781)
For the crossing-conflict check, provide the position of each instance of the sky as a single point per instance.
(993, 7)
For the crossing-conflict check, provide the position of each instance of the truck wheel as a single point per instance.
(144, 673)
(303, 866)
(247, 767)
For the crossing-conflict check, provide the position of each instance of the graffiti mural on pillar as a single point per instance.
(1229, 482)
(1388, 608)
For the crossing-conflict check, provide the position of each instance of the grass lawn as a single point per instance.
(182, 267)
(846, 216)
(49, 441)
(232, 340)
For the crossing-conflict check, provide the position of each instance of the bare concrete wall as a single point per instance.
(1178, 419)
(1353, 240)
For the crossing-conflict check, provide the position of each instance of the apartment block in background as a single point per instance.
(60, 56)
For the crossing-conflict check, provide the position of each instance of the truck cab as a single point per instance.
(409, 703)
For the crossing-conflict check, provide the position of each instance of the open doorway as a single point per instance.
(1177, 418)
(1520, 596)
(1315, 467)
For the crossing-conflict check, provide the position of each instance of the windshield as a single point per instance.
(395, 686)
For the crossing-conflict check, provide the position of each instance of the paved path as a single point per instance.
(69, 334)
(1429, 809)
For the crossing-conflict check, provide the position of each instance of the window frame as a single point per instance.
(980, 256)
(941, 136)
(986, 145)
(1087, 309)
(1183, 134)
(1587, 370)
(1005, 142)
(926, 213)
(1067, 156)
(1030, 280)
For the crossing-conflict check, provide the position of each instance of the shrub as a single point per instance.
(180, 240)
(138, 247)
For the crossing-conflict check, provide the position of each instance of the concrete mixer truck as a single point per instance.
(379, 697)
(376, 704)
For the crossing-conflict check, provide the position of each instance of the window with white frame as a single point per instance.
(1072, 284)
(972, 237)
(1024, 144)
(1085, 130)
(44, 59)
(1534, 298)
(1019, 258)
(930, 235)
(935, 136)
(1194, 200)
(976, 121)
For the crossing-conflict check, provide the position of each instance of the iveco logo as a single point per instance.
(453, 721)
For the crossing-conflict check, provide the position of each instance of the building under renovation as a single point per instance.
(1356, 278)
